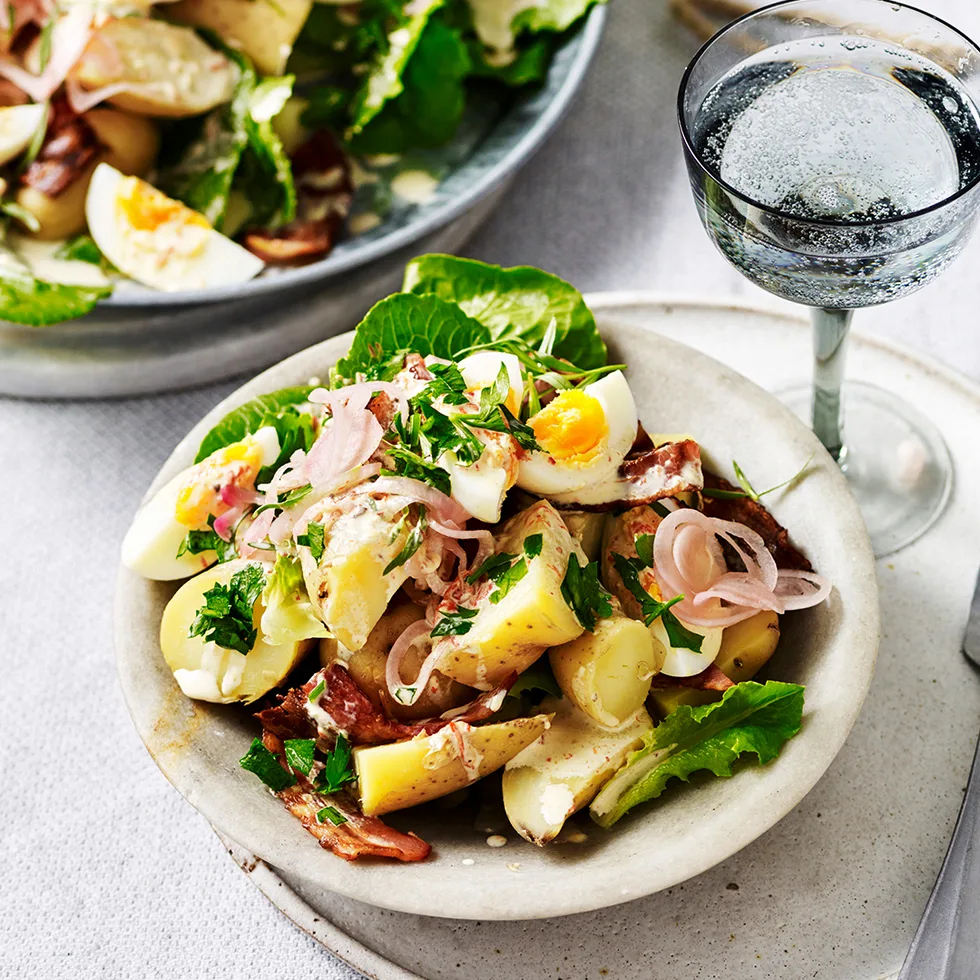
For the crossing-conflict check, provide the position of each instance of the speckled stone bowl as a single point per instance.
(831, 649)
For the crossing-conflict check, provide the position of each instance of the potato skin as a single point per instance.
(367, 667)
(748, 645)
(62, 216)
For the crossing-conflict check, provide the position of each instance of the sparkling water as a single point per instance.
(839, 136)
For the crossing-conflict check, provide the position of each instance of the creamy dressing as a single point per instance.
(451, 743)
(415, 186)
(557, 802)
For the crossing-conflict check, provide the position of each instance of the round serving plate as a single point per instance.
(835, 890)
(831, 649)
(141, 341)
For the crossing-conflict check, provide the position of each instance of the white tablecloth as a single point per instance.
(104, 870)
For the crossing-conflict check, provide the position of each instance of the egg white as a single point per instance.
(155, 536)
(18, 124)
(148, 256)
(682, 662)
(480, 371)
(543, 474)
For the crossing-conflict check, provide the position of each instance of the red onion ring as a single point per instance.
(441, 507)
(400, 647)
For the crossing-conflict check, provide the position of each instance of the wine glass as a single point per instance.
(833, 148)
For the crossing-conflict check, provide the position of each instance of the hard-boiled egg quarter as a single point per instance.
(584, 435)
(158, 241)
(185, 503)
(18, 124)
(482, 369)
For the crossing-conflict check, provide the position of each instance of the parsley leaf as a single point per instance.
(495, 415)
(659, 509)
(508, 579)
(748, 491)
(532, 545)
(266, 766)
(644, 548)
(679, 635)
(332, 814)
(299, 753)
(226, 616)
(583, 593)
(317, 691)
(313, 539)
(337, 771)
(492, 567)
(198, 542)
(284, 500)
(454, 624)
(412, 544)
(411, 464)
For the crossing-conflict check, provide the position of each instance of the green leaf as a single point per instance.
(583, 593)
(199, 542)
(416, 532)
(454, 624)
(491, 567)
(287, 499)
(299, 753)
(81, 248)
(288, 615)
(227, 614)
(33, 302)
(498, 23)
(644, 549)
(537, 677)
(332, 814)
(296, 430)
(550, 15)
(747, 490)
(19, 213)
(317, 691)
(411, 464)
(750, 717)
(265, 765)
(383, 81)
(522, 302)
(629, 571)
(337, 771)
(430, 106)
(528, 67)
(533, 544)
(678, 634)
(313, 539)
(400, 323)
(265, 103)
(250, 417)
(508, 579)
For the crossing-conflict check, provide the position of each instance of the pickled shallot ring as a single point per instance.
(440, 507)
(396, 686)
(791, 579)
(325, 396)
(484, 537)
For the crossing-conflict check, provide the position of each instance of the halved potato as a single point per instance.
(208, 672)
(746, 646)
(367, 666)
(668, 699)
(564, 769)
(512, 633)
(403, 774)
(587, 529)
(167, 70)
(263, 31)
(607, 673)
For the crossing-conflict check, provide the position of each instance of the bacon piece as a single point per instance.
(644, 476)
(359, 836)
(754, 515)
(415, 365)
(70, 146)
(324, 191)
(384, 408)
(710, 679)
(352, 712)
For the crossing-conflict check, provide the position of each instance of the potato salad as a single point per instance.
(189, 145)
(459, 553)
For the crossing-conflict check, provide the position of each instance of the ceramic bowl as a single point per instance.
(831, 649)
(141, 341)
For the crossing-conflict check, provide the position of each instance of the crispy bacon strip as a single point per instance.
(352, 712)
(710, 679)
(359, 836)
(70, 146)
(324, 191)
(754, 515)
(644, 476)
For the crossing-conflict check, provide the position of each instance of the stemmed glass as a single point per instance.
(833, 148)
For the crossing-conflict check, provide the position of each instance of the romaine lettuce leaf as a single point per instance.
(34, 302)
(403, 322)
(529, 65)
(250, 417)
(751, 717)
(264, 105)
(520, 302)
(288, 615)
(499, 22)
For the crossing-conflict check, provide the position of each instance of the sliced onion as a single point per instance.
(82, 100)
(400, 647)
(440, 507)
(225, 524)
(69, 38)
(353, 392)
(254, 535)
(236, 496)
(485, 538)
(801, 590)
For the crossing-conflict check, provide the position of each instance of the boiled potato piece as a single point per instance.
(167, 70)
(263, 31)
(746, 646)
(511, 634)
(607, 673)
(587, 529)
(348, 586)
(132, 144)
(367, 666)
(564, 769)
(208, 672)
(668, 699)
(402, 774)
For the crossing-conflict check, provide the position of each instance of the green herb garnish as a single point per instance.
(312, 539)
(284, 500)
(644, 548)
(748, 491)
(265, 765)
(680, 636)
(299, 753)
(416, 533)
(337, 771)
(198, 542)
(317, 691)
(332, 814)
(454, 624)
(226, 616)
(584, 594)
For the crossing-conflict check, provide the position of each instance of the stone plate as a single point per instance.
(830, 649)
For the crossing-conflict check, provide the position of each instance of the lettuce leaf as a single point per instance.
(264, 105)
(403, 322)
(520, 302)
(499, 22)
(751, 717)
(528, 67)
(250, 417)
(288, 615)
(35, 302)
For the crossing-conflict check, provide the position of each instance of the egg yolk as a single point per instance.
(572, 424)
(145, 209)
(200, 497)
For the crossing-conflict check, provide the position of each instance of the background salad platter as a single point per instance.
(830, 649)
(139, 340)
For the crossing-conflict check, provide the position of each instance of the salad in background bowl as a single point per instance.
(190, 147)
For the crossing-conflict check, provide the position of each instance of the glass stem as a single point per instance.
(830, 329)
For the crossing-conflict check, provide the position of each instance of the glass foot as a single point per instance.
(894, 458)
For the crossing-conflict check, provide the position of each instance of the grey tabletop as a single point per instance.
(106, 871)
